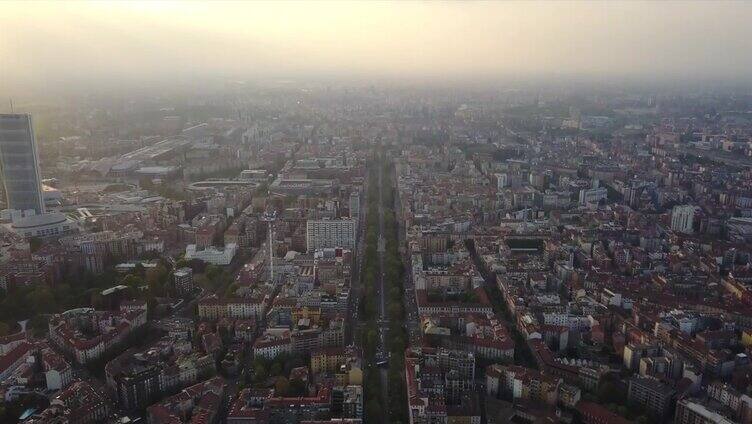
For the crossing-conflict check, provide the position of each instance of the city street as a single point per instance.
(411, 305)
(383, 322)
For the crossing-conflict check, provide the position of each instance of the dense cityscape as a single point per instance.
(324, 254)
(375, 212)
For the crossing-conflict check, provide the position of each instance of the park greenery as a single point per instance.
(265, 373)
(84, 289)
(369, 337)
(394, 285)
(396, 409)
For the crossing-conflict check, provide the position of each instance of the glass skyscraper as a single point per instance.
(19, 163)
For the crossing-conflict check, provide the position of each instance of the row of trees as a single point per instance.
(394, 285)
(396, 409)
(374, 410)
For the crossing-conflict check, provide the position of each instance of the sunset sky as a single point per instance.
(74, 42)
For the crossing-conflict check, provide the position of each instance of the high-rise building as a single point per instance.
(593, 195)
(683, 218)
(352, 403)
(138, 387)
(692, 411)
(184, 281)
(739, 229)
(354, 204)
(502, 180)
(19, 163)
(652, 395)
(325, 233)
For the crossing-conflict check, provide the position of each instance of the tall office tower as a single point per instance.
(19, 163)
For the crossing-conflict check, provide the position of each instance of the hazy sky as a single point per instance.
(54, 44)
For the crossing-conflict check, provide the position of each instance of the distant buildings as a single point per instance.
(300, 186)
(342, 363)
(487, 201)
(257, 406)
(198, 404)
(183, 281)
(327, 233)
(81, 403)
(46, 225)
(739, 229)
(593, 195)
(440, 386)
(650, 393)
(211, 254)
(58, 373)
(296, 409)
(275, 341)
(691, 411)
(213, 308)
(522, 383)
(14, 358)
(352, 401)
(354, 205)
(87, 334)
(96, 250)
(502, 181)
(19, 163)
(483, 335)
(593, 413)
(732, 400)
(140, 378)
(683, 219)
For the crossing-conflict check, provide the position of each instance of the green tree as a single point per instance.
(231, 289)
(97, 300)
(34, 244)
(133, 281)
(259, 372)
(276, 369)
(395, 310)
(38, 325)
(43, 300)
(281, 386)
(608, 392)
(297, 387)
(212, 272)
(374, 411)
